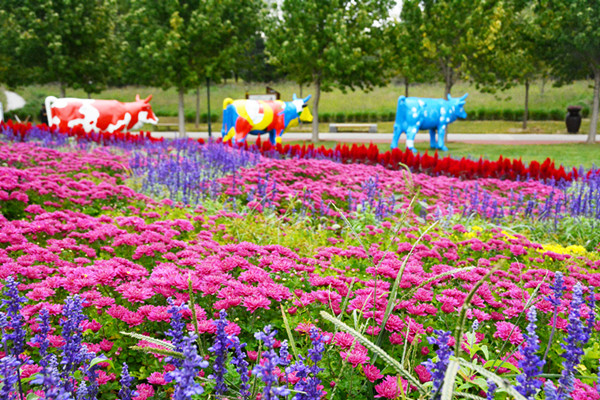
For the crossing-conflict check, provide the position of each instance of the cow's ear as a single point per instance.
(148, 99)
(137, 97)
(307, 98)
(449, 97)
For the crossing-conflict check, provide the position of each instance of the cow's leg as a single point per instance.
(396, 137)
(432, 139)
(272, 136)
(411, 133)
(441, 136)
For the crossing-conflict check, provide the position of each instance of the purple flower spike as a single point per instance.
(184, 376)
(241, 365)
(9, 365)
(531, 364)
(309, 381)
(220, 349)
(14, 319)
(438, 369)
(125, 393)
(73, 353)
(491, 390)
(265, 369)
(574, 344)
(177, 330)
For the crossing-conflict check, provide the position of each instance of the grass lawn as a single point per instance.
(543, 96)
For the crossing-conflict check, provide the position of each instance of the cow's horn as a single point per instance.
(465, 96)
(137, 97)
(294, 97)
(307, 98)
(148, 99)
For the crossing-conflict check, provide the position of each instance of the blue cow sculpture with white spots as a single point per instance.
(415, 113)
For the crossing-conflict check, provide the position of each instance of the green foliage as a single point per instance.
(330, 44)
(70, 42)
(569, 31)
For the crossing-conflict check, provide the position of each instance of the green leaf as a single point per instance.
(376, 349)
(501, 382)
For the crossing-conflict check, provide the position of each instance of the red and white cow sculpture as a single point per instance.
(99, 115)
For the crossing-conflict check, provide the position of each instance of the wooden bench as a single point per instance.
(174, 126)
(371, 128)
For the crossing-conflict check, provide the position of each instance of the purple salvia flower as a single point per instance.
(574, 343)
(125, 393)
(438, 369)
(592, 317)
(241, 365)
(184, 376)
(82, 391)
(284, 353)
(177, 329)
(265, 369)
(309, 382)
(220, 349)
(42, 336)
(53, 385)
(558, 289)
(14, 319)
(489, 395)
(9, 367)
(73, 353)
(531, 364)
(92, 374)
(550, 391)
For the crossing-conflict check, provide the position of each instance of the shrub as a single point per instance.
(340, 117)
(325, 117)
(374, 117)
(558, 115)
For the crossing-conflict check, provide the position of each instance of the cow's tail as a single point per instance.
(48, 104)
(227, 102)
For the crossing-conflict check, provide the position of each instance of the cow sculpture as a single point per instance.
(243, 117)
(99, 115)
(414, 113)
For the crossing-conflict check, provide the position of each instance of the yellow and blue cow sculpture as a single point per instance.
(255, 117)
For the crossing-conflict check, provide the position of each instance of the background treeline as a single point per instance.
(323, 45)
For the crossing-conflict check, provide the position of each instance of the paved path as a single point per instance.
(348, 137)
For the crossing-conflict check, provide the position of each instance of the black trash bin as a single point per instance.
(573, 119)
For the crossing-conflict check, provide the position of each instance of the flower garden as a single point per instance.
(136, 268)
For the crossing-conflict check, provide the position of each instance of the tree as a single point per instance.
(182, 43)
(457, 34)
(407, 56)
(570, 33)
(71, 42)
(329, 43)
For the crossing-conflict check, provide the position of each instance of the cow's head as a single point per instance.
(146, 115)
(302, 108)
(458, 105)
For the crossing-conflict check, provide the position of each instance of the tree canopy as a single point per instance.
(329, 43)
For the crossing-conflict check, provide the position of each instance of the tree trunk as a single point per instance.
(406, 84)
(62, 90)
(542, 87)
(596, 105)
(181, 114)
(315, 122)
(526, 111)
(197, 123)
(449, 82)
